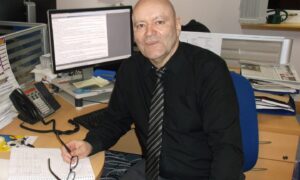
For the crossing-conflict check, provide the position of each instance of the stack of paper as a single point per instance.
(7, 84)
(273, 85)
(282, 74)
(274, 104)
(94, 81)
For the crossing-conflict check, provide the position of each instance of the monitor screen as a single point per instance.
(82, 38)
(284, 4)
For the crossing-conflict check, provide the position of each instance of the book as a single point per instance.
(32, 164)
(7, 142)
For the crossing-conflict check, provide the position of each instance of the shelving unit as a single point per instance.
(283, 26)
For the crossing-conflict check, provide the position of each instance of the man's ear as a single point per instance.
(178, 25)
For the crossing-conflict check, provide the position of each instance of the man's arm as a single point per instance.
(115, 122)
(221, 122)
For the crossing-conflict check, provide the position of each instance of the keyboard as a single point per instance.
(90, 120)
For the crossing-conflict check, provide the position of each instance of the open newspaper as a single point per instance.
(282, 74)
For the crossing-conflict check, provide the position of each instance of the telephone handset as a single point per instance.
(34, 102)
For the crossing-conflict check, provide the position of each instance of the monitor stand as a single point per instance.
(80, 100)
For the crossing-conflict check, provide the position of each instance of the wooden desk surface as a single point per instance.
(49, 140)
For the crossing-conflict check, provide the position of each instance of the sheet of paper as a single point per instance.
(32, 163)
(210, 41)
(4, 169)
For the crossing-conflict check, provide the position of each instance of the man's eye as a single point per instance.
(140, 26)
(160, 22)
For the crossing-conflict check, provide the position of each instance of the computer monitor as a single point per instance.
(85, 38)
(12, 10)
(284, 4)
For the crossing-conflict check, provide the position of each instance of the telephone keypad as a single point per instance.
(39, 102)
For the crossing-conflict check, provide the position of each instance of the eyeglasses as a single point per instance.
(73, 163)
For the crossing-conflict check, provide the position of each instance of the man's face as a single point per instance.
(156, 31)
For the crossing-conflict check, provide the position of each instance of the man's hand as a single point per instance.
(78, 148)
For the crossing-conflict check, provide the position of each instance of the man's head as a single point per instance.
(156, 30)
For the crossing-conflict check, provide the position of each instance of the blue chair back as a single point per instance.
(248, 119)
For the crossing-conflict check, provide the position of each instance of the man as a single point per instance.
(199, 134)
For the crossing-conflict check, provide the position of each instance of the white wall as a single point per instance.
(219, 16)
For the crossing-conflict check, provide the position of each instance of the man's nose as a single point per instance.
(149, 30)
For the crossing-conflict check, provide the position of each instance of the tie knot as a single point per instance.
(160, 72)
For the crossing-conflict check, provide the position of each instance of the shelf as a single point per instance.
(283, 26)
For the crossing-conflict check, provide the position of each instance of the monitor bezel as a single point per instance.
(50, 30)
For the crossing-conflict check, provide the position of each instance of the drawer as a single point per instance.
(277, 146)
(269, 169)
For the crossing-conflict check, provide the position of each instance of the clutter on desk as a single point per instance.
(105, 74)
(68, 77)
(41, 73)
(46, 61)
(282, 74)
(7, 142)
(7, 84)
(275, 104)
(105, 89)
(273, 86)
(94, 81)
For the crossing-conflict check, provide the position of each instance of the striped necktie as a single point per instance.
(155, 128)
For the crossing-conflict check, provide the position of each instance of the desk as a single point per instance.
(279, 141)
(49, 140)
(278, 136)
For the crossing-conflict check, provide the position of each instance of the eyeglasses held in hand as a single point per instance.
(73, 163)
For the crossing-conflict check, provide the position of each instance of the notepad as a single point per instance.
(32, 164)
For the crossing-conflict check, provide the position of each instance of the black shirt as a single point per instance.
(201, 132)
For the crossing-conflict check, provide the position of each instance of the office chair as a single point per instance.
(248, 119)
(194, 25)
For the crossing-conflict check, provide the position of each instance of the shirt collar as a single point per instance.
(172, 66)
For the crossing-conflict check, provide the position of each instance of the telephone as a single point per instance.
(34, 102)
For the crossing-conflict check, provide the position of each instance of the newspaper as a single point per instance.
(283, 74)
